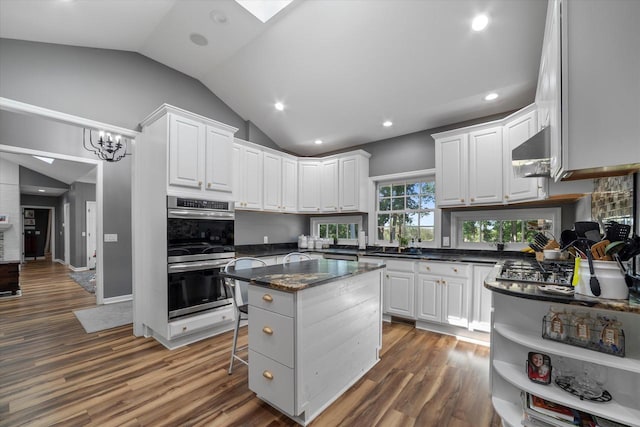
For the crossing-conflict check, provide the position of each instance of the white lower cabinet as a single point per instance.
(442, 292)
(481, 305)
(399, 289)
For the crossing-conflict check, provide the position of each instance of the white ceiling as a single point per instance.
(341, 67)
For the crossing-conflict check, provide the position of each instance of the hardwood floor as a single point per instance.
(53, 373)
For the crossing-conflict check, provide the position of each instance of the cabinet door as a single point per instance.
(186, 159)
(481, 313)
(272, 188)
(454, 302)
(218, 160)
(309, 186)
(349, 184)
(515, 133)
(252, 171)
(399, 294)
(238, 175)
(485, 166)
(429, 298)
(289, 184)
(451, 170)
(329, 186)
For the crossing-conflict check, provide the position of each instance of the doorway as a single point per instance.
(91, 234)
(38, 232)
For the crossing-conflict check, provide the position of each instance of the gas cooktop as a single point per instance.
(544, 273)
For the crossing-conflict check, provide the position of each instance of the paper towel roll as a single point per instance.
(362, 240)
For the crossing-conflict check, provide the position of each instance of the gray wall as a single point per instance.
(251, 227)
(115, 87)
(255, 135)
(33, 178)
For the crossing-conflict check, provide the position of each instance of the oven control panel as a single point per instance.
(178, 202)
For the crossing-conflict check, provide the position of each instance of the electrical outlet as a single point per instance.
(445, 241)
(266, 239)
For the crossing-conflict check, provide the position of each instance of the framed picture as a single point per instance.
(4, 219)
(29, 221)
(539, 367)
(28, 213)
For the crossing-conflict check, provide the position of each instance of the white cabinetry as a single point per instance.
(280, 183)
(442, 293)
(451, 170)
(309, 185)
(329, 185)
(481, 301)
(353, 178)
(247, 161)
(200, 154)
(516, 331)
(399, 289)
(519, 127)
(485, 166)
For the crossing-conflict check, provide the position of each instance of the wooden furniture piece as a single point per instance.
(9, 277)
(239, 292)
(315, 330)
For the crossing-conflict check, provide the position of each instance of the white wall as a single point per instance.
(10, 205)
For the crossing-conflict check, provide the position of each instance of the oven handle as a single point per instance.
(190, 214)
(194, 266)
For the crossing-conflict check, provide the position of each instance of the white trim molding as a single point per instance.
(119, 298)
(352, 219)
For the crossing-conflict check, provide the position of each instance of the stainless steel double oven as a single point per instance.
(199, 244)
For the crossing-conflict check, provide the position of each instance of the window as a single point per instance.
(344, 228)
(405, 211)
(515, 227)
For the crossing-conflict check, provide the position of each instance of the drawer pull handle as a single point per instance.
(267, 298)
(267, 330)
(428, 268)
(268, 375)
(455, 270)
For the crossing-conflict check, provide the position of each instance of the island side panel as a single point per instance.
(338, 339)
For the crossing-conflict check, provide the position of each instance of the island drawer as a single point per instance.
(451, 269)
(272, 300)
(271, 381)
(398, 265)
(198, 322)
(271, 334)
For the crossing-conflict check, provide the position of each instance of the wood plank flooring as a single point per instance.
(53, 373)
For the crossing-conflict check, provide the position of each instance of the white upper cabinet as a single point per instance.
(451, 170)
(199, 152)
(247, 176)
(280, 182)
(329, 186)
(309, 185)
(353, 178)
(485, 166)
(517, 130)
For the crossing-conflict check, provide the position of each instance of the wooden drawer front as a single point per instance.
(407, 266)
(271, 334)
(278, 390)
(451, 269)
(203, 321)
(272, 300)
(9, 269)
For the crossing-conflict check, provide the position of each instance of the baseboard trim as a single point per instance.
(475, 337)
(119, 298)
(59, 261)
(71, 267)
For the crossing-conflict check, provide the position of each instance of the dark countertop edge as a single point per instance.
(287, 288)
(575, 300)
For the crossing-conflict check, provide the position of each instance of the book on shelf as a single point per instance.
(568, 416)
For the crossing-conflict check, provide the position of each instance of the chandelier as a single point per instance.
(108, 148)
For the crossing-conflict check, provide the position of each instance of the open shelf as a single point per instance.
(528, 339)
(510, 413)
(514, 374)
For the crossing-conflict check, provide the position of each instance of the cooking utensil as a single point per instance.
(567, 237)
(594, 283)
(598, 250)
(615, 232)
(541, 240)
(630, 249)
(593, 235)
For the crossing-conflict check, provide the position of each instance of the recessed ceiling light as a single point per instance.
(491, 96)
(264, 9)
(198, 39)
(279, 106)
(318, 141)
(45, 159)
(218, 17)
(387, 124)
(40, 190)
(480, 22)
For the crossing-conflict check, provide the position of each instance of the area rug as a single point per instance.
(86, 279)
(105, 316)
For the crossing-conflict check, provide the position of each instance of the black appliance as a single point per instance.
(543, 273)
(199, 243)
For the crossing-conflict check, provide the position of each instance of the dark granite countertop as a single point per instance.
(533, 292)
(297, 276)
(450, 255)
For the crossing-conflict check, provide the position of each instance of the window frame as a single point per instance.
(457, 218)
(342, 219)
(374, 181)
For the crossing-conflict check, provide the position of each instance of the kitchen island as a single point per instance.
(315, 328)
(516, 330)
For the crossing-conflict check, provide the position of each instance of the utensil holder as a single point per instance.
(597, 343)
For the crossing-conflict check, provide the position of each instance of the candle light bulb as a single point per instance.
(108, 137)
(101, 135)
